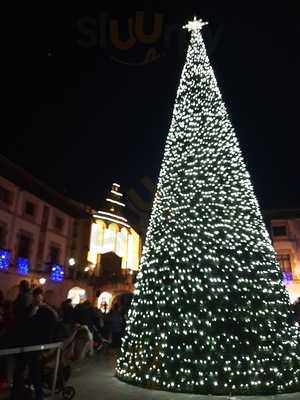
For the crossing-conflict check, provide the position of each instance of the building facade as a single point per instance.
(32, 228)
(40, 230)
(284, 227)
(114, 250)
(112, 235)
(69, 248)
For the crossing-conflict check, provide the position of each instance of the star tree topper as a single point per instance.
(196, 24)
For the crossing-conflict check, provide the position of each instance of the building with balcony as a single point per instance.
(37, 229)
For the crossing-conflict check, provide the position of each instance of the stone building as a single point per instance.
(115, 248)
(284, 227)
(37, 230)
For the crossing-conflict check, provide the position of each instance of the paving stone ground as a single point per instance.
(94, 380)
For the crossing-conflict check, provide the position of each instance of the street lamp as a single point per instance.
(72, 261)
(42, 281)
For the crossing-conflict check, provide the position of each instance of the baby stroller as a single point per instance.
(63, 375)
(64, 370)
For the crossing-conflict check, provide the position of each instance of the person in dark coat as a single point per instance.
(85, 314)
(22, 303)
(67, 312)
(38, 328)
(116, 326)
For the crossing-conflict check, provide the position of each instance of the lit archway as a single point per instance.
(104, 301)
(77, 295)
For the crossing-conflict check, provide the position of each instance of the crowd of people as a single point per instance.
(29, 320)
(84, 329)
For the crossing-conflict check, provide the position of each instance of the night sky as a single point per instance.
(82, 117)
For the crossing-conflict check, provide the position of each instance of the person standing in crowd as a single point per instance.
(22, 302)
(116, 326)
(4, 326)
(40, 323)
(86, 314)
(67, 312)
(124, 317)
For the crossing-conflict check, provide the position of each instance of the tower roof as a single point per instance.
(114, 206)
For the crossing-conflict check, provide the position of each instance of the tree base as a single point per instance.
(206, 391)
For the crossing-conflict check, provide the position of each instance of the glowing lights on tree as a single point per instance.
(210, 312)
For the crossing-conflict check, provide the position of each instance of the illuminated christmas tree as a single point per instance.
(210, 312)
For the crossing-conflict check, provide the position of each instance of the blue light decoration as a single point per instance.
(5, 257)
(22, 265)
(287, 277)
(57, 273)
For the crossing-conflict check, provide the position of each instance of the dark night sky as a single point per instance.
(79, 120)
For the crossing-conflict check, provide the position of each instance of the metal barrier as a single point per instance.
(30, 349)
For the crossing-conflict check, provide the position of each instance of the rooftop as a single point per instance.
(29, 183)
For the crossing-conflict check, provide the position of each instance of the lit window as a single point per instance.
(109, 241)
(121, 244)
(286, 267)
(285, 262)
